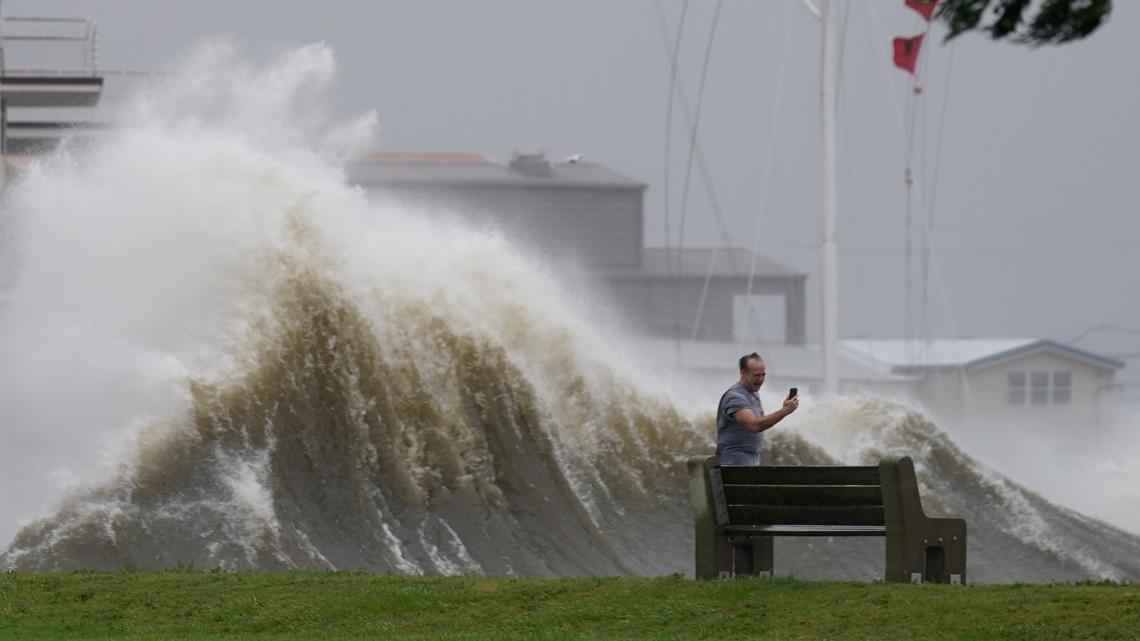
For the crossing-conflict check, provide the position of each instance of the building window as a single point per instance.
(1062, 387)
(1039, 388)
(1016, 391)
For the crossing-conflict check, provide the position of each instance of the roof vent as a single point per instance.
(530, 161)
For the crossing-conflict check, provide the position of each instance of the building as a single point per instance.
(1035, 383)
(48, 67)
(591, 215)
(573, 210)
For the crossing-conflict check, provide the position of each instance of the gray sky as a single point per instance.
(1034, 218)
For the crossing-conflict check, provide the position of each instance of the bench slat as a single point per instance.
(800, 475)
(807, 495)
(828, 515)
(734, 531)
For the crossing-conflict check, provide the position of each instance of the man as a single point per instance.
(741, 421)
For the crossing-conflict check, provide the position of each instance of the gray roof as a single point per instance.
(478, 170)
(911, 356)
(695, 262)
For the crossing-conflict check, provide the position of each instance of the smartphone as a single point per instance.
(792, 392)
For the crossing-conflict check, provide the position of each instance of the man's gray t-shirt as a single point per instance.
(736, 444)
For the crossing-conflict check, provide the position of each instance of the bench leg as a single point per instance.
(742, 559)
(762, 556)
(955, 542)
(937, 555)
(714, 558)
(945, 552)
(753, 557)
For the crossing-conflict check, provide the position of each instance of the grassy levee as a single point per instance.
(329, 606)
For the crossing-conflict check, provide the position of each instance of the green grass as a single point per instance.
(329, 606)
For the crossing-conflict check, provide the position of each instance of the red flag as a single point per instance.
(925, 7)
(906, 52)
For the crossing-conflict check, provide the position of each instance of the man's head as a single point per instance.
(752, 371)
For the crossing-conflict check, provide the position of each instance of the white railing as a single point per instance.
(49, 47)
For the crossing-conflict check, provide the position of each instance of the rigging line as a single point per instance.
(702, 162)
(842, 46)
(741, 148)
(688, 169)
(1105, 326)
(702, 165)
(884, 83)
(704, 296)
(780, 75)
(668, 163)
(889, 90)
(930, 206)
(919, 326)
(963, 222)
(852, 211)
(936, 266)
(911, 171)
(768, 168)
(979, 253)
(779, 206)
(693, 135)
(920, 85)
(923, 303)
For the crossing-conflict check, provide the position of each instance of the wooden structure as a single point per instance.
(739, 510)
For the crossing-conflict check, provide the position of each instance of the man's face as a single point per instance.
(752, 376)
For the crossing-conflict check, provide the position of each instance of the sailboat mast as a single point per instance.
(829, 274)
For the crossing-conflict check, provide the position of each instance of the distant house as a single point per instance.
(1024, 382)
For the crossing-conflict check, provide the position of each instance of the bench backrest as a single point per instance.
(798, 495)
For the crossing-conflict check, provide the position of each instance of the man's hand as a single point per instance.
(791, 403)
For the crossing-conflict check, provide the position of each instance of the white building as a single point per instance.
(1035, 383)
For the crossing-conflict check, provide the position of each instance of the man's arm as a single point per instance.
(748, 418)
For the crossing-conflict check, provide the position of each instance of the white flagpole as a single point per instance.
(829, 275)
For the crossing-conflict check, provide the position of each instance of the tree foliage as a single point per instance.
(1029, 22)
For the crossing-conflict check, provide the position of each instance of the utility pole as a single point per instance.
(3, 109)
(829, 273)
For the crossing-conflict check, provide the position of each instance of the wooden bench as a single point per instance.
(740, 509)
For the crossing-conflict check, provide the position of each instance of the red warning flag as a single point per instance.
(906, 52)
(925, 7)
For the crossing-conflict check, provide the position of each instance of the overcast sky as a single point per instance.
(1032, 207)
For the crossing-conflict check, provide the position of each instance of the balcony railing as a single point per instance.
(49, 47)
